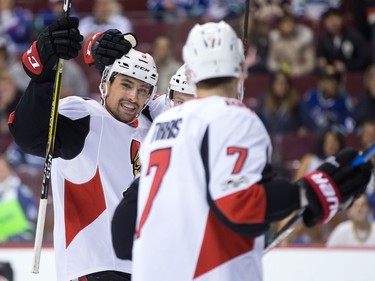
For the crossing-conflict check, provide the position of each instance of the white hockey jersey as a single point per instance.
(88, 188)
(201, 163)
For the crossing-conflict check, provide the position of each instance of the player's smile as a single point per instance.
(128, 107)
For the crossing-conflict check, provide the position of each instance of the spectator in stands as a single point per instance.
(363, 13)
(106, 14)
(343, 47)
(74, 80)
(278, 107)
(47, 16)
(15, 26)
(269, 11)
(328, 143)
(367, 135)
(365, 108)
(163, 52)
(18, 209)
(359, 230)
(205, 10)
(216, 10)
(9, 63)
(312, 10)
(327, 105)
(172, 10)
(23, 161)
(257, 42)
(9, 97)
(291, 46)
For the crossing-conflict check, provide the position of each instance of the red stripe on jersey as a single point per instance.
(83, 203)
(220, 244)
(134, 123)
(245, 206)
(11, 118)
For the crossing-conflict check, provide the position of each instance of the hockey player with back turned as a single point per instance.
(207, 192)
(96, 147)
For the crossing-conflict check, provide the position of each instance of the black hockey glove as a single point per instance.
(104, 48)
(333, 186)
(61, 39)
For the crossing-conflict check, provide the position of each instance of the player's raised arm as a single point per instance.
(29, 123)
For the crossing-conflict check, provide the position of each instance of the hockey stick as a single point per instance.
(246, 27)
(288, 228)
(48, 160)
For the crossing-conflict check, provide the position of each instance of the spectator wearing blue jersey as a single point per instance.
(46, 17)
(206, 10)
(313, 10)
(15, 25)
(327, 105)
(18, 209)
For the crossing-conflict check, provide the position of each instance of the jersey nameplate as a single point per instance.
(167, 130)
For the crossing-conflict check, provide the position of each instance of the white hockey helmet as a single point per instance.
(133, 64)
(179, 83)
(213, 50)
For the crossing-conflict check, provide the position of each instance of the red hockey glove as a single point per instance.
(104, 48)
(61, 39)
(335, 184)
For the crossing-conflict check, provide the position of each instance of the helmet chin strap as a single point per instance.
(241, 81)
(240, 89)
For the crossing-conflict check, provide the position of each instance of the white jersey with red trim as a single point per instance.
(201, 164)
(88, 188)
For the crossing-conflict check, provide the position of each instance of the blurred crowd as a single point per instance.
(311, 68)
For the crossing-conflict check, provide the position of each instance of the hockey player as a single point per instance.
(96, 146)
(180, 89)
(207, 192)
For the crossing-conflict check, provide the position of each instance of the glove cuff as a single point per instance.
(326, 191)
(31, 60)
(87, 50)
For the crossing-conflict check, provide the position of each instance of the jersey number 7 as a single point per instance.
(160, 159)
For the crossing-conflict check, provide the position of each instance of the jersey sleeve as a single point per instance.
(158, 105)
(243, 191)
(239, 150)
(29, 123)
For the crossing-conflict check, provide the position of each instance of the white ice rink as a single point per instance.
(281, 264)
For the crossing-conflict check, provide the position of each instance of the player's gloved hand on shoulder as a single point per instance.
(103, 48)
(335, 184)
(61, 39)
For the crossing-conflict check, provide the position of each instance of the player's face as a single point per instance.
(126, 97)
(180, 98)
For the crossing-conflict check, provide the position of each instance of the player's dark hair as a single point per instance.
(214, 82)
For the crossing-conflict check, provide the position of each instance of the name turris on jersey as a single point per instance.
(167, 130)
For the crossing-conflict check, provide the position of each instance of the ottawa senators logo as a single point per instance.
(134, 157)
